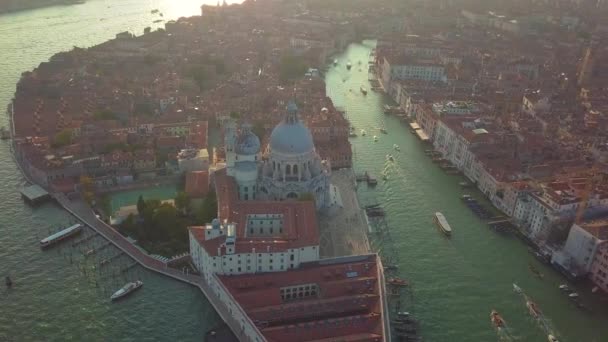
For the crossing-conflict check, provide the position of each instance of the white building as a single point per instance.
(582, 244)
(411, 68)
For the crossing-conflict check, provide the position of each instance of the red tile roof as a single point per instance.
(346, 306)
(197, 184)
(299, 221)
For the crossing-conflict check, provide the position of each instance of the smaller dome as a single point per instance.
(215, 224)
(324, 110)
(247, 143)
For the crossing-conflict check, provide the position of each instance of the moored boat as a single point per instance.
(552, 338)
(443, 223)
(348, 66)
(61, 235)
(398, 282)
(363, 133)
(375, 138)
(335, 62)
(533, 308)
(363, 90)
(127, 289)
(396, 147)
(564, 288)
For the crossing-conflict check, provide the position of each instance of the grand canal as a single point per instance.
(457, 281)
(59, 297)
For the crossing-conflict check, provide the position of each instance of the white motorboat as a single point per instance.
(396, 147)
(552, 338)
(573, 295)
(363, 133)
(443, 223)
(127, 289)
(335, 62)
(564, 288)
(375, 138)
(516, 288)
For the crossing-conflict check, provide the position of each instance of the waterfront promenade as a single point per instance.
(85, 214)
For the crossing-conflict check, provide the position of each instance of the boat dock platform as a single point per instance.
(366, 177)
(34, 194)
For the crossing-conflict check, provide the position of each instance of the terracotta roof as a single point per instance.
(299, 221)
(197, 183)
(345, 305)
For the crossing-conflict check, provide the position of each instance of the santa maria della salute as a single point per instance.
(291, 169)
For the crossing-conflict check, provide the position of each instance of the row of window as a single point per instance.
(299, 292)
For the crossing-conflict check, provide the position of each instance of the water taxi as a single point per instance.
(61, 235)
(533, 308)
(443, 223)
(396, 147)
(127, 289)
(363, 90)
(497, 320)
(516, 288)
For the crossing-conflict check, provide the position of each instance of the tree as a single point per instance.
(62, 138)
(182, 202)
(141, 205)
(208, 209)
(259, 130)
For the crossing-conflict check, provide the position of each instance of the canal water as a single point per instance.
(456, 281)
(57, 294)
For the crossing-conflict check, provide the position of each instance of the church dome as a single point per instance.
(247, 143)
(291, 136)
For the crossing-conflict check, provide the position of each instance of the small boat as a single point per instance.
(443, 224)
(391, 267)
(89, 252)
(533, 308)
(465, 184)
(396, 147)
(564, 288)
(403, 314)
(348, 66)
(127, 289)
(352, 135)
(389, 157)
(516, 288)
(4, 133)
(158, 21)
(363, 133)
(154, 11)
(383, 130)
(497, 320)
(398, 282)
(363, 90)
(335, 62)
(375, 138)
(552, 338)
(573, 295)
(8, 281)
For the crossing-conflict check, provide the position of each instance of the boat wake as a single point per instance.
(535, 313)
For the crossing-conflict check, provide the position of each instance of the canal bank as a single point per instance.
(457, 281)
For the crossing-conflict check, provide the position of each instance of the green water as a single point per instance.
(57, 295)
(163, 192)
(457, 281)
